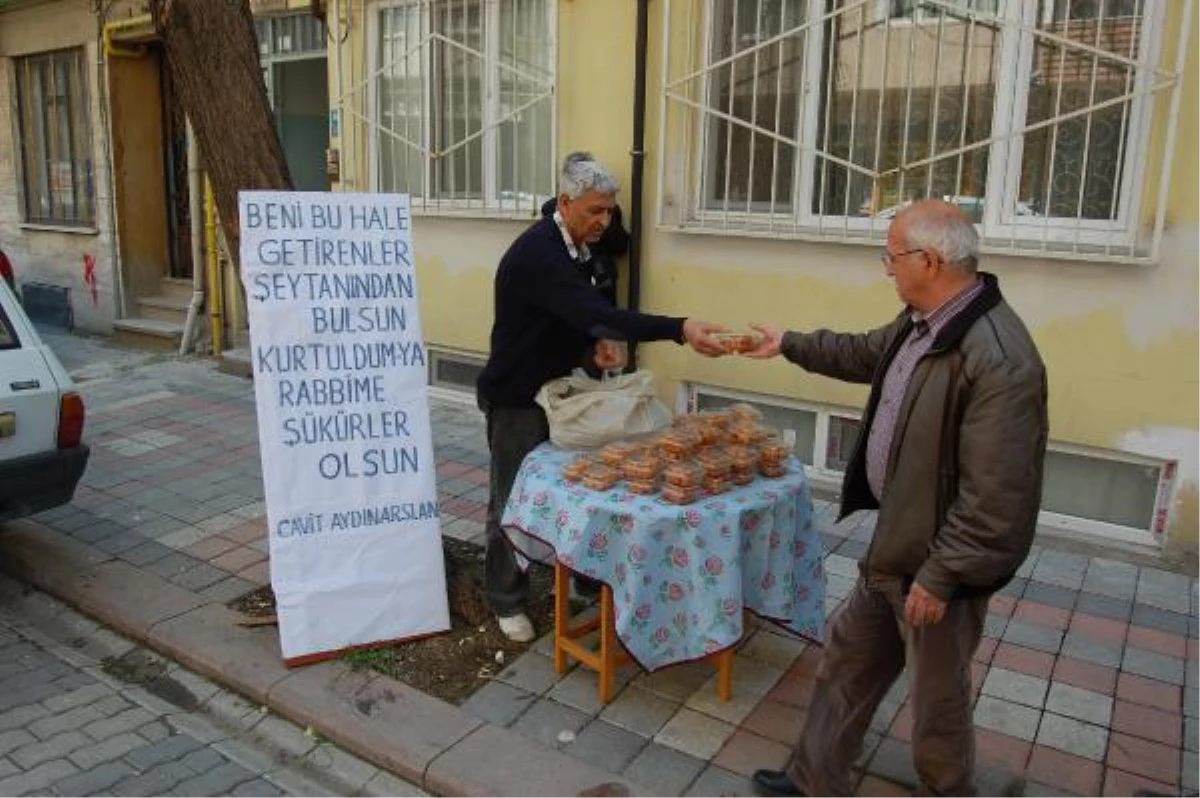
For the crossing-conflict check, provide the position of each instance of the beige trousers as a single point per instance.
(868, 648)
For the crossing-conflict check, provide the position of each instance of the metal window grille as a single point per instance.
(820, 120)
(462, 104)
(289, 35)
(58, 180)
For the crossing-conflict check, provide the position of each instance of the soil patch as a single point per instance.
(453, 665)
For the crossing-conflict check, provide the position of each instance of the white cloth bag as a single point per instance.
(585, 413)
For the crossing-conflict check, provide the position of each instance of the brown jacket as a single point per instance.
(964, 473)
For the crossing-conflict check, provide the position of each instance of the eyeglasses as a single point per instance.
(888, 258)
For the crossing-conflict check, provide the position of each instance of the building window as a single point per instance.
(787, 116)
(289, 35)
(55, 139)
(463, 103)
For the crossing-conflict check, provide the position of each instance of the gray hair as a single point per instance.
(582, 173)
(950, 234)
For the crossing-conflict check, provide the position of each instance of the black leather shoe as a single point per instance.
(774, 782)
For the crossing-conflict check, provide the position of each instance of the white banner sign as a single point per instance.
(343, 419)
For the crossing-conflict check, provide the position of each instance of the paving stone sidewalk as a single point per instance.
(84, 711)
(1086, 680)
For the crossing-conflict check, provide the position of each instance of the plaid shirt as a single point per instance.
(899, 373)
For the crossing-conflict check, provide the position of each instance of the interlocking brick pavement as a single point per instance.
(73, 726)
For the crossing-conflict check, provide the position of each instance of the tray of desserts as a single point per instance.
(701, 454)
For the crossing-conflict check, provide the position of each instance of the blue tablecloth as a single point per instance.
(680, 575)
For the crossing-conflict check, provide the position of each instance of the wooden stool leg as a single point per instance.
(561, 609)
(725, 674)
(608, 645)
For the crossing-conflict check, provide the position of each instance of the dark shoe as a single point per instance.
(774, 782)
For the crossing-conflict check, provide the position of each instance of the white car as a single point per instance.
(42, 454)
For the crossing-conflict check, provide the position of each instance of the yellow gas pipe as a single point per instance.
(111, 48)
(215, 292)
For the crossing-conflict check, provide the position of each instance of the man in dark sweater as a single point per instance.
(550, 319)
(601, 270)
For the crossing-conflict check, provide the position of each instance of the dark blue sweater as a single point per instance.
(547, 317)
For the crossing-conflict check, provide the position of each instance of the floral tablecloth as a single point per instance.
(680, 575)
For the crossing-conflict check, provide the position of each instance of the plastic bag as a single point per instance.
(585, 413)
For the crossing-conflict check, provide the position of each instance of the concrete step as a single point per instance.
(164, 308)
(236, 362)
(154, 334)
(176, 288)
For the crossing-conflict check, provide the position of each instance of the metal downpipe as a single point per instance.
(638, 154)
(195, 216)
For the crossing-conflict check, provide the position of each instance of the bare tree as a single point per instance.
(212, 54)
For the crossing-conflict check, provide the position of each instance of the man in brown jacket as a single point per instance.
(950, 452)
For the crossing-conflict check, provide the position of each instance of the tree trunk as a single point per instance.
(212, 54)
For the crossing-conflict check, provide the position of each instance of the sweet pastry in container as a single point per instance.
(574, 470)
(743, 462)
(641, 466)
(682, 474)
(599, 477)
(679, 443)
(772, 459)
(715, 483)
(710, 431)
(773, 453)
(714, 462)
(677, 494)
(721, 417)
(643, 487)
(737, 343)
(773, 471)
(744, 413)
(745, 433)
(616, 453)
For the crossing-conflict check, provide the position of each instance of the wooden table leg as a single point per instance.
(725, 673)
(608, 645)
(562, 583)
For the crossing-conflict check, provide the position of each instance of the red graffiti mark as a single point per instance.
(89, 276)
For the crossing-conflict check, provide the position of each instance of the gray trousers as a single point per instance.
(512, 433)
(869, 646)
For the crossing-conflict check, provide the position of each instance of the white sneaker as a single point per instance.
(517, 628)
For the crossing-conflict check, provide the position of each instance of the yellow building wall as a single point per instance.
(1120, 341)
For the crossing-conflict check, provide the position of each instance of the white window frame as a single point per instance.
(1007, 154)
(491, 205)
(1002, 229)
(1154, 535)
